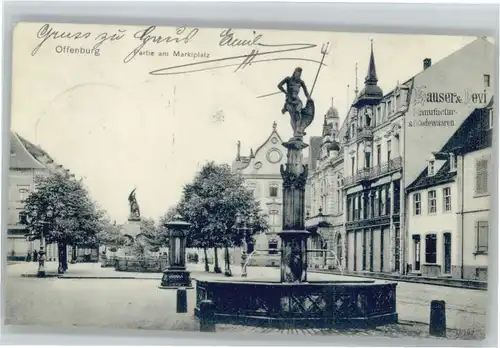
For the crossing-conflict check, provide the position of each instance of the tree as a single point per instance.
(76, 219)
(110, 236)
(212, 202)
(153, 241)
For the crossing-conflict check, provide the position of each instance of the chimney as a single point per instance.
(427, 63)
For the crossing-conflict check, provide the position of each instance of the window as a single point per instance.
(388, 150)
(367, 159)
(430, 248)
(23, 192)
(447, 199)
(22, 218)
(417, 204)
(481, 236)
(431, 168)
(352, 130)
(490, 119)
(379, 154)
(482, 176)
(353, 165)
(487, 82)
(273, 191)
(432, 202)
(389, 108)
(453, 162)
(273, 246)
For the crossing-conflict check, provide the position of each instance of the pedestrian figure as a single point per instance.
(35, 255)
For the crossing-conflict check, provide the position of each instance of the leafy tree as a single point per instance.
(76, 219)
(110, 236)
(151, 235)
(211, 204)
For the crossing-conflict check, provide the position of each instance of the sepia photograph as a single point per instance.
(257, 182)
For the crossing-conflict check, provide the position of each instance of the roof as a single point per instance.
(244, 161)
(26, 155)
(473, 135)
(371, 93)
(20, 155)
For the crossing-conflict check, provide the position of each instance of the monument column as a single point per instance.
(294, 236)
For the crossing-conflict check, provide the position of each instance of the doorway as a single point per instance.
(416, 253)
(447, 253)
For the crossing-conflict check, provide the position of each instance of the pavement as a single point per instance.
(89, 295)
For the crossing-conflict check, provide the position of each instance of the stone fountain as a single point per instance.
(293, 301)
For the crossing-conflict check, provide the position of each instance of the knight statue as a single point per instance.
(301, 117)
(135, 213)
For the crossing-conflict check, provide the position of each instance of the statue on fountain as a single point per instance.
(301, 117)
(135, 213)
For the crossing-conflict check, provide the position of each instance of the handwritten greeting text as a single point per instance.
(149, 38)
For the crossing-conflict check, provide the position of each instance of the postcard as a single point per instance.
(243, 180)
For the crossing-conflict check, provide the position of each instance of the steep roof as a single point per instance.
(473, 135)
(22, 154)
(26, 155)
(244, 161)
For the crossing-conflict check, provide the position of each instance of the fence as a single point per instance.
(147, 264)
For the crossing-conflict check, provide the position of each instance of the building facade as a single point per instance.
(28, 161)
(383, 140)
(324, 196)
(449, 204)
(373, 150)
(261, 172)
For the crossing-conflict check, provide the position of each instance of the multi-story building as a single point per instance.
(261, 172)
(324, 215)
(27, 161)
(449, 204)
(373, 148)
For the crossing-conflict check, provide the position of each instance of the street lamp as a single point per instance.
(244, 249)
(45, 224)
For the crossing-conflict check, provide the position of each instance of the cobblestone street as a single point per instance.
(139, 304)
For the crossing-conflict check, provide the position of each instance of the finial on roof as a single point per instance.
(356, 90)
(371, 77)
(274, 125)
(251, 153)
(238, 150)
(332, 103)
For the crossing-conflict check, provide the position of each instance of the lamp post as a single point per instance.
(244, 248)
(45, 224)
(176, 274)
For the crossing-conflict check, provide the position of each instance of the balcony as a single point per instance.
(367, 174)
(371, 222)
(365, 134)
(323, 220)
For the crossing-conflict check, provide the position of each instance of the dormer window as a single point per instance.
(431, 168)
(453, 162)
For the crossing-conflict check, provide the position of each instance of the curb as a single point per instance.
(473, 285)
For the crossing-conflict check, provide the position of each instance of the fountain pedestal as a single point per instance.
(176, 275)
(294, 301)
(294, 236)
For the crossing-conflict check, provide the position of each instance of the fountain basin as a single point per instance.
(315, 304)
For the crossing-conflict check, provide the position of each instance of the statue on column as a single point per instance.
(135, 213)
(301, 117)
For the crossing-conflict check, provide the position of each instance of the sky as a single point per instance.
(119, 127)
